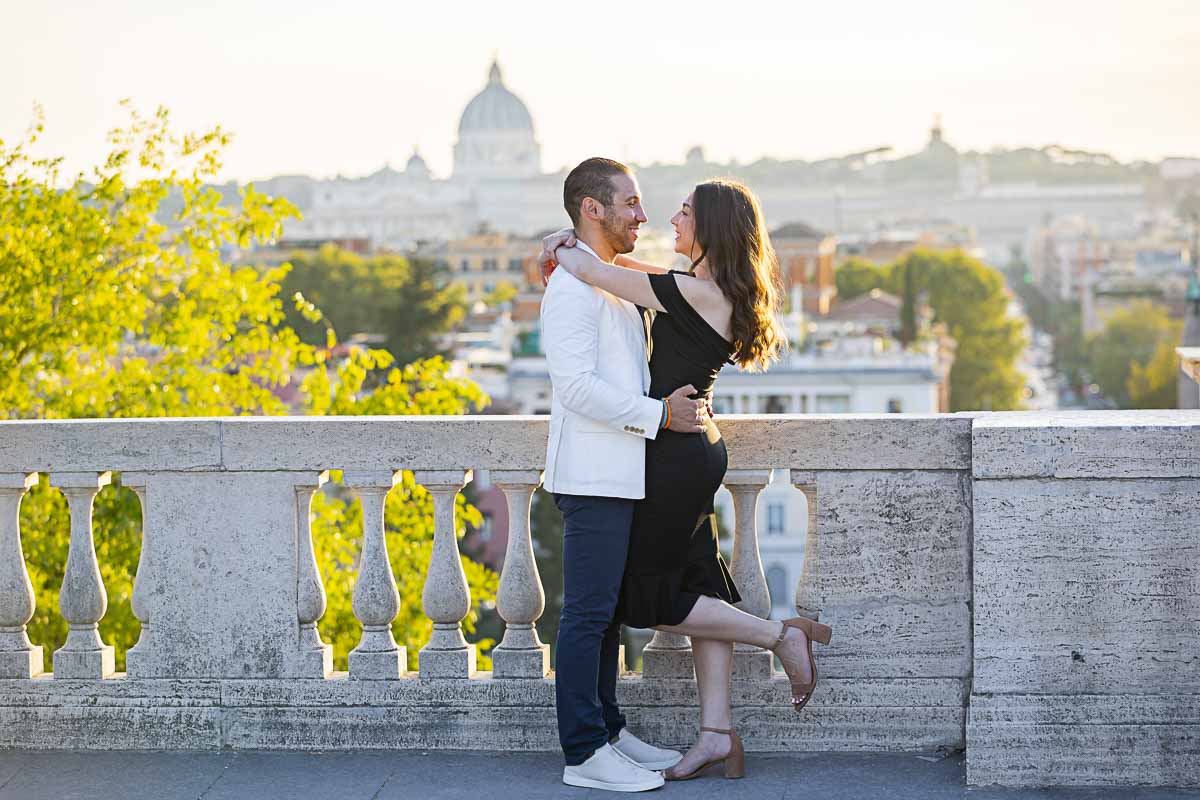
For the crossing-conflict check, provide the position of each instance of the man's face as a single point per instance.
(624, 215)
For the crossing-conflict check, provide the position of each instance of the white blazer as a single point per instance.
(600, 417)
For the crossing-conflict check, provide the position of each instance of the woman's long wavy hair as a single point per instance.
(732, 239)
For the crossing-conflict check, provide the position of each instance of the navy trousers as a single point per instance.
(595, 544)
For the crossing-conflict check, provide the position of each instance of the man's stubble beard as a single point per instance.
(616, 233)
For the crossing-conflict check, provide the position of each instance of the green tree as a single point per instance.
(107, 312)
(1154, 384)
(969, 298)
(503, 292)
(910, 299)
(855, 277)
(406, 301)
(1132, 359)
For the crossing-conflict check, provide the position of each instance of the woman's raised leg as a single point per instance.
(712, 618)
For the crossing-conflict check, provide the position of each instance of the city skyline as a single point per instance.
(319, 94)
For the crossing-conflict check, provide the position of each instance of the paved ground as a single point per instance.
(415, 775)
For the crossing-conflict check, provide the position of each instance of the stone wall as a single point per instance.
(1087, 600)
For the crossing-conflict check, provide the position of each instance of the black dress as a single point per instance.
(673, 556)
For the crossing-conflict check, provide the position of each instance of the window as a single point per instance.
(722, 404)
(465, 266)
(490, 265)
(893, 405)
(774, 404)
(775, 519)
(485, 530)
(514, 265)
(777, 585)
(833, 404)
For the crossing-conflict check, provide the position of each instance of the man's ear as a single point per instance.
(591, 208)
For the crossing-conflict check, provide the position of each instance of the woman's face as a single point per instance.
(684, 223)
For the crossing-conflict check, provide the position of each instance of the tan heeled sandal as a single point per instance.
(801, 692)
(734, 760)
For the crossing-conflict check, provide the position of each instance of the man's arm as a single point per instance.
(570, 339)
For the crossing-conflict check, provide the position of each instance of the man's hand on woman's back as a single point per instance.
(687, 415)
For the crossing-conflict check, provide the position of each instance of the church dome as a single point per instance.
(495, 109)
(416, 166)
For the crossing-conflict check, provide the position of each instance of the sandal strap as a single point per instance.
(783, 629)
(716, 730)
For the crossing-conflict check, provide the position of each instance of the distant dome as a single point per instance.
(495, 136)
(416, 165)
(495, 109)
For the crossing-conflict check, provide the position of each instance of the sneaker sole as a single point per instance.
(657, 766)
(589, 783)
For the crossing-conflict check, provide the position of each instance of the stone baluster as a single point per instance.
(139, 599)
(315, 657)
(446, 598)
(520, 599)
(808, 601)
(746, 565)
(19, 658)
(376, 601)
(82, 600)
(668, 655)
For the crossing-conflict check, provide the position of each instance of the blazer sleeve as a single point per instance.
(570, 339)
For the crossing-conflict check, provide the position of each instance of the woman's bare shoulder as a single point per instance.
(701, 293)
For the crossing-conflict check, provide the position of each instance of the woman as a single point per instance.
(723, 309)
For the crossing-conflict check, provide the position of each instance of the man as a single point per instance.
(596, 349)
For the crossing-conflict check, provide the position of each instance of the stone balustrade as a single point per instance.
(1025, 586)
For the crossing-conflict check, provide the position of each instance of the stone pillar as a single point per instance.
(376, 600)
(808, 598)
(446, 598)
(746, 565)
(314, 657)
(18, 657)
(82, 600)
(520, 600)
(217, 574)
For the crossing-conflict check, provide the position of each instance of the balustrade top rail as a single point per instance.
(880, 441)
(1010, 444)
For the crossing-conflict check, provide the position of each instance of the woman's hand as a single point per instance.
(546, 259)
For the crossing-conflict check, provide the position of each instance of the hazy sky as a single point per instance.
(321, 89)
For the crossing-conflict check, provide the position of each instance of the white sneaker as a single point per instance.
(645, 755)
(608, 770)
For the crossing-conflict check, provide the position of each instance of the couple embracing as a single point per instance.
(634, 461)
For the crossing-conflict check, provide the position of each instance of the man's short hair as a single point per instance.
(592, 178)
